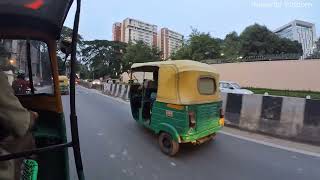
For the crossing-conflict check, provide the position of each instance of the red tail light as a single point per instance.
(221, 113)
(192, 119)
(221, 120)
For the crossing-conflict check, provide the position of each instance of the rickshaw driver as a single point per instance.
(153, 94)
(15, 123)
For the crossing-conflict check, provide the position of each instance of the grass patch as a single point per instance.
(275, 92)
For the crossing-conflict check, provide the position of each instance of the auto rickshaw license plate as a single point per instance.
(169, 113)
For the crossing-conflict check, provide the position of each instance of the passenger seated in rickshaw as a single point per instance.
(15, 123)
(151, 88)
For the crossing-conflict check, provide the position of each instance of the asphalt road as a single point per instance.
(115, 147)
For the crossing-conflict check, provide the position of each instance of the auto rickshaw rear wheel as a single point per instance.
(167, 144)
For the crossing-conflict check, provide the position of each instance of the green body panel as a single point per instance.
(50, 129)
(207, 121)
(166, 127)
(64, 89)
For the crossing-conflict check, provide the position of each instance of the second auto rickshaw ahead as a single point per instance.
(179, 100)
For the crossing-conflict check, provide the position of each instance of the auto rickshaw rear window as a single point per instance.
(206, 86)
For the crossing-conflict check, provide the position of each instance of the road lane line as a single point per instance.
(272, 144)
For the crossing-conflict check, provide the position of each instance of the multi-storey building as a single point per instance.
(301, 31)
(169, 42)
(116, 32)
(133, 30)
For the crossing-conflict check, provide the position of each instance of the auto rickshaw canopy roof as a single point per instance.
(34, 19)
(180, 65)
(180, 81)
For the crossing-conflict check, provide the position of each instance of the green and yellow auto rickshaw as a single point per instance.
(179, 100)
(64, 84)
(29, 33)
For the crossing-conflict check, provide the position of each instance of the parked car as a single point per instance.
(232, 87)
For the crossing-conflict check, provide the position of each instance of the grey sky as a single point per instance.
(216, 17)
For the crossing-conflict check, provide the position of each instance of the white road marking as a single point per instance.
(100, 134)
(173, 164)
(125, 152)
(112, 156)
(124, 171)
(299, 170)
(272, 145)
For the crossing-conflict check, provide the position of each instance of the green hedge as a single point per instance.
(290, 93)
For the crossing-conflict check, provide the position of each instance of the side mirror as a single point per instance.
(65, 45)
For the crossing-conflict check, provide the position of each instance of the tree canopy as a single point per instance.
(316, 52)
(139, 52)
(231, 45)
(254, 40)
(104, 57)
(259, 40)
(198, 47)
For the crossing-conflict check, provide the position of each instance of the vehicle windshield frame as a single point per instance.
(235, 85)
(46, 42)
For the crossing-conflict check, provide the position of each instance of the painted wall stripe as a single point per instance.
(233, 108)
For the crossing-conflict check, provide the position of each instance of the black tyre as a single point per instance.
(167, 144)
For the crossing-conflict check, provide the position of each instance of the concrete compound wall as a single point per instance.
(286, 75)
(117, 90)
(286, 117)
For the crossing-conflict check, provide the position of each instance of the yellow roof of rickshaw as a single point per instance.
(62, 77)
(180, 65)
(179, 81)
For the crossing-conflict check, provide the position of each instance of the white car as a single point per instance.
(96, 82)
(232, 87)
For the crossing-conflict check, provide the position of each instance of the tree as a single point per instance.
(316, 52)
(287, 46)
(231, 46)
(259, 40)
(318, 44)
(183, 53)
(256, 40)
(198, 47)
(84, 72)
(203, 46)
(139, 53)
(103, 57)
